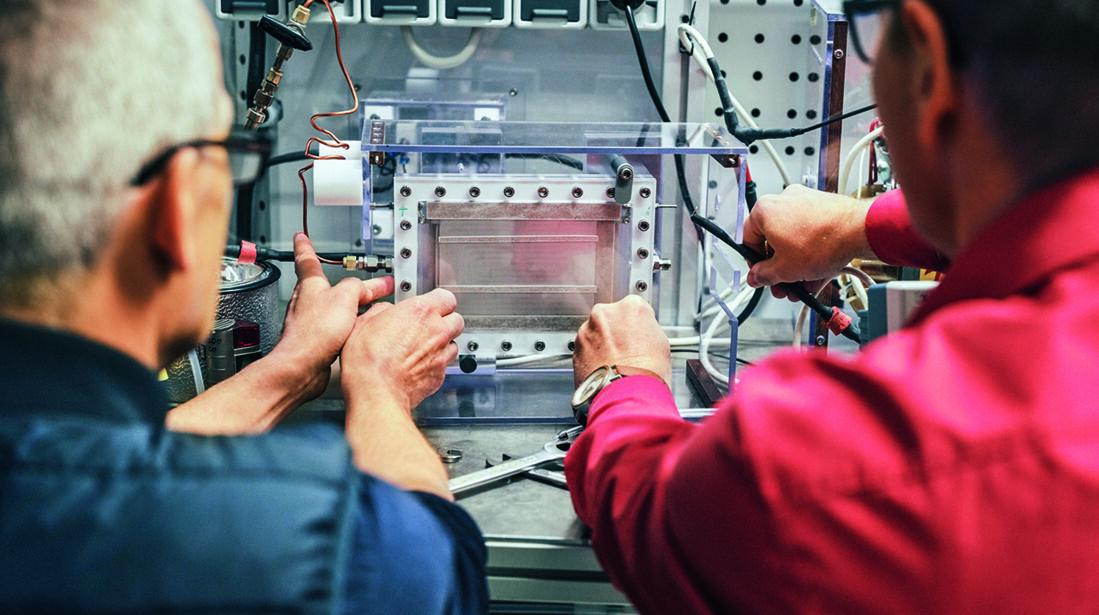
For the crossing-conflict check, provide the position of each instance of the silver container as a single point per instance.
(249, 293)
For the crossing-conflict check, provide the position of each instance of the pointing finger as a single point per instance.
(306, 263)
(374, 289)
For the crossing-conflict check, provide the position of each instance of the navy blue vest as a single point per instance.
(103, 510)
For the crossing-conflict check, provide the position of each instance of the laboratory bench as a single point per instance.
(540, 556)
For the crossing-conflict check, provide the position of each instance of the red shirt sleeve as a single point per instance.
(891, 236)
(950, 467)
(752, 509)
(737, 513)
(611, 469)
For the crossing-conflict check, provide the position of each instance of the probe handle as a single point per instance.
(847, 329)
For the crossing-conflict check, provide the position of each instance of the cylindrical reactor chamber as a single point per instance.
(246, 328)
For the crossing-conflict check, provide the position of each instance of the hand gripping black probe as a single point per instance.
(837, 322)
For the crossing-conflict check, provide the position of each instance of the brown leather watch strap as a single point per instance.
(629, 370)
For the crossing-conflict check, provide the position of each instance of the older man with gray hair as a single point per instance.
(116, 163)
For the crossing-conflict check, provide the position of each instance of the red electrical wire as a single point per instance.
(335, 141)
(304, 199)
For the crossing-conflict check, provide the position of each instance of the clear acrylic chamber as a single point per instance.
(530, 224)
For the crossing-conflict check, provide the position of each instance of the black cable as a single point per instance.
(750, 307)
(750, 198)
(747, 136)
(837, 118)
(284, 158)
(681, 175)
(646, 74)
(850, 330)
(716, 355)
(558, 158)
(257, 52)
(750, 135)
(286, 256)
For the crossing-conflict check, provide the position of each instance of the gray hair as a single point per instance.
(89, 90)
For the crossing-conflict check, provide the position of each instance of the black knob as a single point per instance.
(285, 34)
(467, 363)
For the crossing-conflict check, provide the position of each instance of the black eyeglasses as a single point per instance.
(866, 20)
(248, 153)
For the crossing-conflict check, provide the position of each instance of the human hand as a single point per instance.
(807, 235)
(399, 353)
(320, 317)
(623, 333)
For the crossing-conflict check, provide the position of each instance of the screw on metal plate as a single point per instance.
(450, 455)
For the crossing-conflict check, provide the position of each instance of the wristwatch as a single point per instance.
(599, 378)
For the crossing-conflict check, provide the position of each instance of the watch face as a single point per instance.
(590, 386)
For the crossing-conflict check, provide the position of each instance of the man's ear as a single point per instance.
(936, 82)
(172, 211)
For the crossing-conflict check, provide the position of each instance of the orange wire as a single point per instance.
(335, 142)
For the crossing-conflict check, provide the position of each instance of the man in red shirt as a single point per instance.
(951, 467)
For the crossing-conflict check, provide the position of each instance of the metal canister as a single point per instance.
(250, 292)
(248, 301)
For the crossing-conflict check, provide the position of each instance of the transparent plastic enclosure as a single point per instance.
(530, 224)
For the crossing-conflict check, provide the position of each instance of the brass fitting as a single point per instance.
(301, 15)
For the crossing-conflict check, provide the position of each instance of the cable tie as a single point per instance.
(247, 253)
(839, 321)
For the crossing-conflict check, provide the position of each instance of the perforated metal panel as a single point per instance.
(773, 52)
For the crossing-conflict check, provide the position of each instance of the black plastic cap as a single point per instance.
(284, 34)
(467, 363)
(623, 5)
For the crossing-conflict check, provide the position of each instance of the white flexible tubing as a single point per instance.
(196, 371)
(707, 338)
(686, 342)
(845, 168)
(860, 290)
(530, 359)
(858, 273)
(860, 282)
(799, 326)
(676, 342)
(693, 40)
(441, 62)
(862, 170)
(704, 352)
